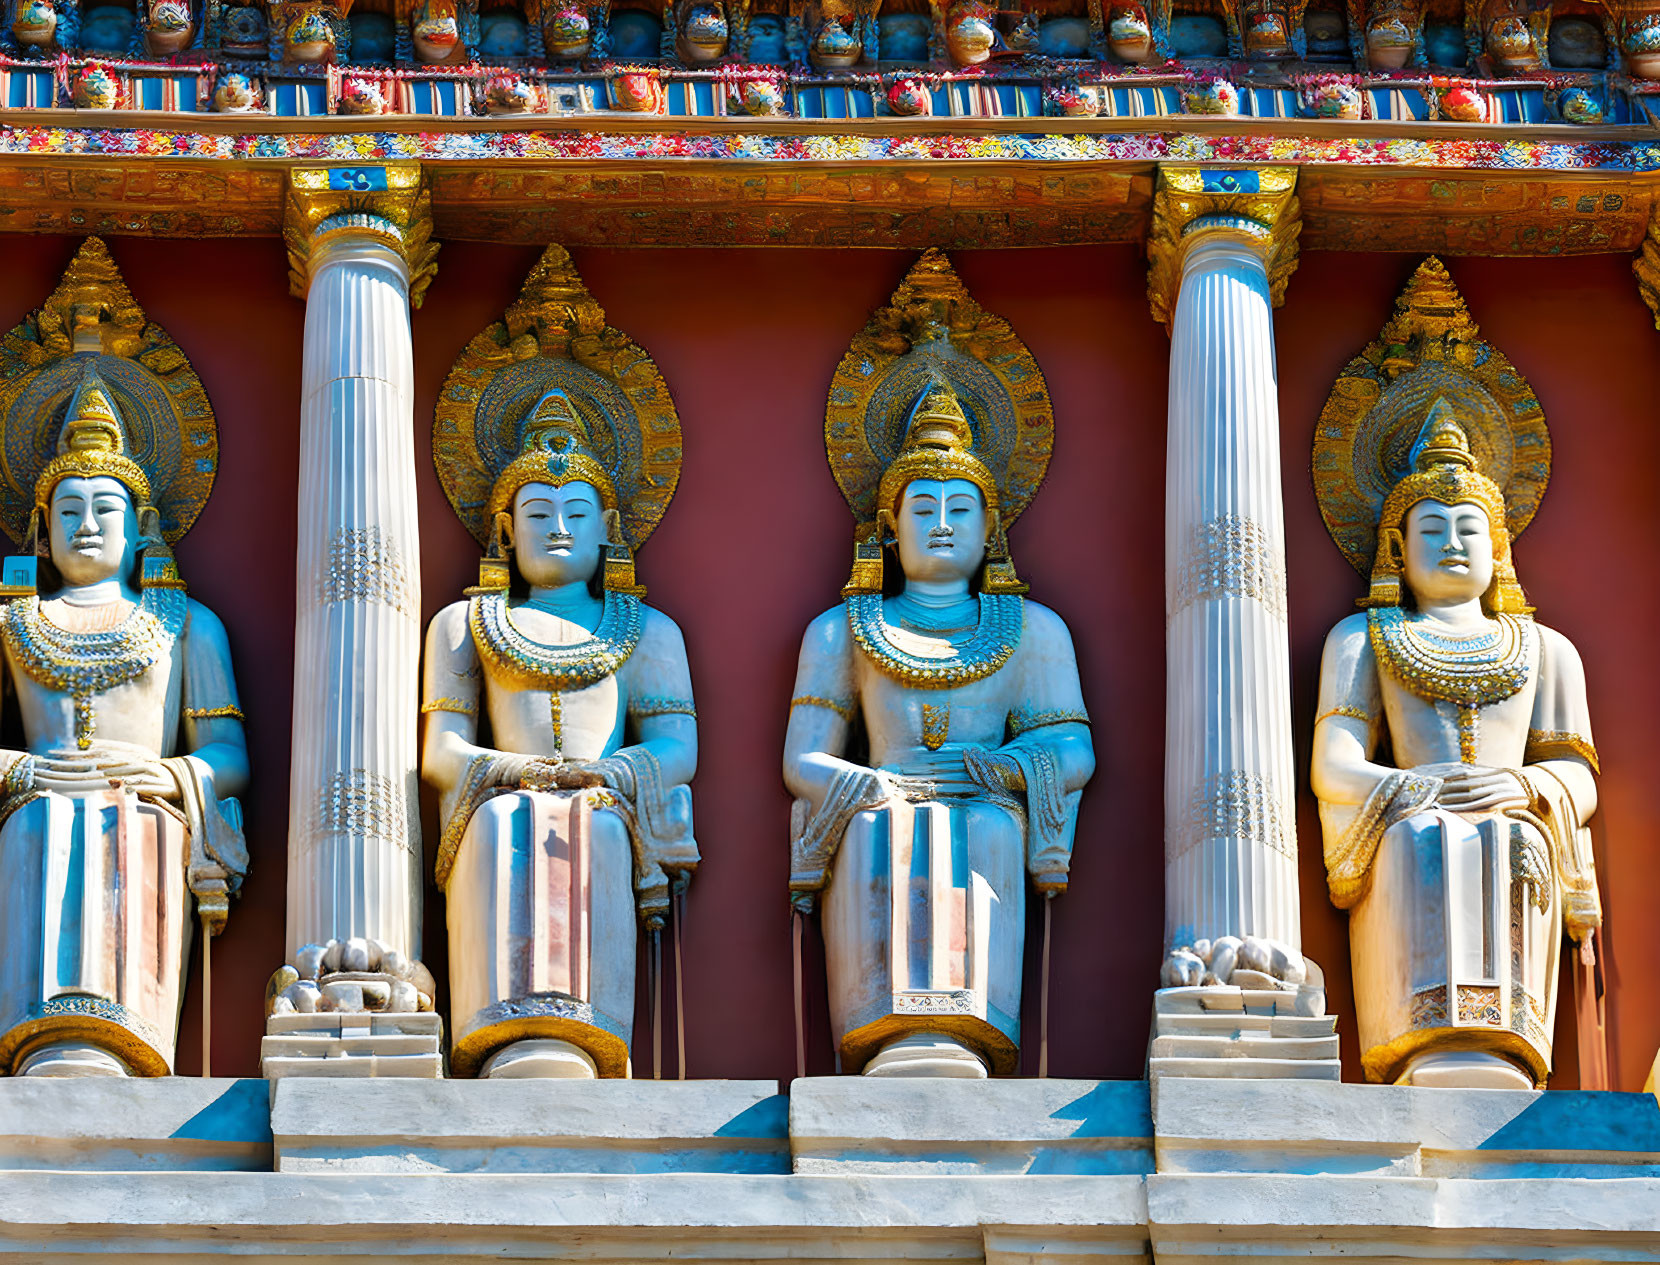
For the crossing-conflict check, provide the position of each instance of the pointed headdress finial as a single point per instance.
(555, 450)
(939, 444)
(1441, 441)
(93, 444)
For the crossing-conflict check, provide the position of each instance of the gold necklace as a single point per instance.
(1002, 620)
(1468, 670)
(507, 649)
(85, 664)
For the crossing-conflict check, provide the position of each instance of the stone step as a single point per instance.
(427, 1023)
(421, 1066)
(1238, 1022)
(1202, 999)
(1247, 1068)
(1266, 1047)
(318, 1046)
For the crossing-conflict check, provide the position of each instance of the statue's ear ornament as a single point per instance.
(619, 571)
(866, 577)
(495, 573)
(1385, 588)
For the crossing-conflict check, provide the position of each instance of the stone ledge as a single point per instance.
(865, 1124)
(1310, 1127)
(529, 1126)
(1200, 1219)
(59, 1219)
(118, 1125)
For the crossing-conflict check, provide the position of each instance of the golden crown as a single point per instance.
(938, 445)
(1444, 469)
(555, 450)
(93, 444)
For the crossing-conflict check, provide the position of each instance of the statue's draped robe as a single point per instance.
(1457, 919)
(925, 910)
(542, 886)
(94, 887)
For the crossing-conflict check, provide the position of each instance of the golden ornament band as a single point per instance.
(457, 705)
(1555, 744)
(1023, 721)
(642, 708)
(842, 708)
(227, 712)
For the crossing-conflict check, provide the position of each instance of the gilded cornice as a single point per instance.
(399, 214)
(1647, 267)
(1257, 204)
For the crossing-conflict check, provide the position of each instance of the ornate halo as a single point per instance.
(555, 335)
(932, 326)
(1429, 350)
(169, 425)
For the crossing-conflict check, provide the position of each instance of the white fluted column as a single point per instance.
(354, 851)
(1223, 245)
(1230, 828)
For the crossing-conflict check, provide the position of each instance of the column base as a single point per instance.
(1464, 1069)
(539, 1059)
(1223, 1031)
(345, 1044)
(927, 1054)
(72, 1058)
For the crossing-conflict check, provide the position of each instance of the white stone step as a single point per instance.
(375, 1022)
(1224, 1047)
(312, 1045)
(1238, 1022)
(1202, 999)
(1247, 1068)
(355, 1066)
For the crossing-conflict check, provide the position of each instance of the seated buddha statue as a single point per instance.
(562, 738)
(936, 749)
(1455, 770)
(118, 807)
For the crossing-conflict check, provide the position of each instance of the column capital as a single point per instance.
(1256, 205)
(386, 203)
(1647, 267)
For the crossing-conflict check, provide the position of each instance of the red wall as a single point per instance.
(756, 543)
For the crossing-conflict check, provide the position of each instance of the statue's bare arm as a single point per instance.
(825, 700)
(657, 671)
(1561, 707)
(1051, 688)
(451, 691)
(1349, 718)
(214, 734)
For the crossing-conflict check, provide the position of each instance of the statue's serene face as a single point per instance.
(558, 533)
(93, 529)
(1449, 551)
(941, 529)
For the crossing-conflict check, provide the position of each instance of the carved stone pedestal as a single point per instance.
(354, 1045)
(1237, 1033)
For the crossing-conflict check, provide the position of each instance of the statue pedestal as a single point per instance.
(353, 1045)
(1243, 1034)
(852, 1126)
(529, 1126)
(148, 1124)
